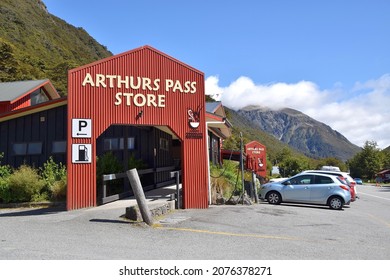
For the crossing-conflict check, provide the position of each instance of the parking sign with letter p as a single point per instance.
(81, 128)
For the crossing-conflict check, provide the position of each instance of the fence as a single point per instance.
(154, 184)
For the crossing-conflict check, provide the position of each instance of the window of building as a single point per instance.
(111, 144)
(164, 144)
(38, 96)
(32, 148)
(131, 143)
(59, 147)
(20, 149)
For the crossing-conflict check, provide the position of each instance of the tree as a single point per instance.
(386, 159)
(58, 75)
(8, 63)
(290, 165)
(368, 162)
(332, 161)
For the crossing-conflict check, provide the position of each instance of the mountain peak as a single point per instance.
(307, 135)
(292, 112)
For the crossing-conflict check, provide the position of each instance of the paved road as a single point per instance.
(263, 231)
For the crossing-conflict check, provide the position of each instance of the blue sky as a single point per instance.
(329, 59)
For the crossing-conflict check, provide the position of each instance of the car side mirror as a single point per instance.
(287, 183)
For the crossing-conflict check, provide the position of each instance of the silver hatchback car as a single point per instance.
(313, 188)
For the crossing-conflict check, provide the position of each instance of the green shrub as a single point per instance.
(225, 181)
(26, 185)
(55, 178)
(135, 163)
(58, 190)
(5, 194)
(5, 172)
(109, 164)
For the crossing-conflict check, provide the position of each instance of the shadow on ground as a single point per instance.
(33, 211)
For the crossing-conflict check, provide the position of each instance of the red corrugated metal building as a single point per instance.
(142, 87)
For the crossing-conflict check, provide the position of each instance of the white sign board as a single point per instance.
(81, 153)
(81, 128)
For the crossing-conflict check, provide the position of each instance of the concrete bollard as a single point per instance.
(139, 194)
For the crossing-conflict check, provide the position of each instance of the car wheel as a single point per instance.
(274, 198)
(336, 203)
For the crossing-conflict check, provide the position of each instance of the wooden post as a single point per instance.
(254, 186)
(139, 194)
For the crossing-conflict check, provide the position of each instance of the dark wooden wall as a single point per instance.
(43, 127)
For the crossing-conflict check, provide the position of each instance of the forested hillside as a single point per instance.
(35, 44)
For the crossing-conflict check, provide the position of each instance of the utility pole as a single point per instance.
(242, 167)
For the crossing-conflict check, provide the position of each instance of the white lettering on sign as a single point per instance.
(131, 82)
(138, 83)
(139, 99)
(189, 87)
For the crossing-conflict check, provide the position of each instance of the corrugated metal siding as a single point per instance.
(97, 103)
(23, 102)
(4, 107)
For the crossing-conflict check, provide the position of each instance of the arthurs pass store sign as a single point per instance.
(127, 94)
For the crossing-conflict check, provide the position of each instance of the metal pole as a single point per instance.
(242, 167)
(178, 189)
(139, 194)
(176, 174)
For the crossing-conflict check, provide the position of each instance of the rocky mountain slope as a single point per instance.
(311, 137)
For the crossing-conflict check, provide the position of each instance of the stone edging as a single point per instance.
(133, 213)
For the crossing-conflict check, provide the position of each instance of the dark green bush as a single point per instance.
(26, 185)
(109, 164)
(58, 190)
(55, 178)
(135, 163)
(5, 172)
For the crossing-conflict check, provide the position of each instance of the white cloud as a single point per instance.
(360, 114)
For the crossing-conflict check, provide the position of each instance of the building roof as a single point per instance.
(216, 119)
(383, 172)
(212, 107)
(11, 91)
(33, 109)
